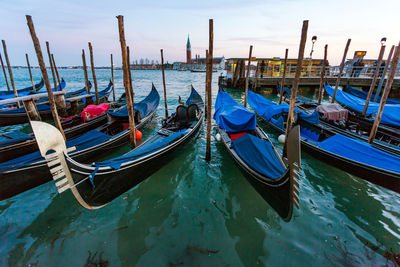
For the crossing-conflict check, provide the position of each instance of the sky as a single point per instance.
(270, 26)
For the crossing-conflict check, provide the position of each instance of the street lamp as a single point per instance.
(313, 40)
(383, 41)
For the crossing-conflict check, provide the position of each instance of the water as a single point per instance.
(195, 213)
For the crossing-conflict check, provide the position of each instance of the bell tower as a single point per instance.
(188, 52)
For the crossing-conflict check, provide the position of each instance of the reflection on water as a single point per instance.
(195, 213)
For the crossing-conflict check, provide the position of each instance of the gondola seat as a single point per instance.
(193, 111)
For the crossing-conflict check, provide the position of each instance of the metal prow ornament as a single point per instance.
(49, 138)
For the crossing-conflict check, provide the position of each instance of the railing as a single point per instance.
(315, 71)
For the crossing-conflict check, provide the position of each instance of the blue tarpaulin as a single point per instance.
(360, 151)
(363, 95)
(84, 141)
(231, 116)
(155, 143)
(259, 155)
(145, 107)
(390, 115)
(268, 109)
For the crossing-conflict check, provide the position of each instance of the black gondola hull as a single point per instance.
(276, 193)
(377, 176)
(16, 181)
(112, 183)
(7, 119)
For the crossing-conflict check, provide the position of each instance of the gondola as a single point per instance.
(18, 115)
(355, 126)
(28, 171)
(389, 117)
(97, 184)
(363, 95)
(353, 156)
(29, 89)
(256, 156)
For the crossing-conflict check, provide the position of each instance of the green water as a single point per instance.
(195, 213)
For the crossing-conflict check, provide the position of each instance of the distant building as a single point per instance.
(197, 63)
(188, 52)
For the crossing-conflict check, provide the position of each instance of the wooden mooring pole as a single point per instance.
(55, 69)
(9, 70)
(112, 77)
(85, 71)
(94, 73)
(129, 103)
(60, 100)
(44, 73)
(375, 78)
(378, 90)
(283, 76)
(322, 80)
(246, 85)
(51, 66)
(209, 88)
(388, 86)
(296, 79)
(4, 72)
(163, 79)
(30, 72)
(205, 89)
(346, 49)
(130, 78)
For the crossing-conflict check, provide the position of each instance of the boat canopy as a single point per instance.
(363, 95)
(360, 151)
(89, 139)
(259, 154)
(155, 143)
(268, 110)
(390, 115)
(231, 116)
(145, 107)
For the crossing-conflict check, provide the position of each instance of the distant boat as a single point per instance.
(201, 70)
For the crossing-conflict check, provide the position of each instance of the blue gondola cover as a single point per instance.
(231, 116)
(259, 155)
(390, 115)
(360, 151)
(363, 95)
(84, 141)
(145, 107)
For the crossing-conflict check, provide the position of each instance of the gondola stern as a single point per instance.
(294, 161)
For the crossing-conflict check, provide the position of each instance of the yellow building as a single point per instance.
(273, 67)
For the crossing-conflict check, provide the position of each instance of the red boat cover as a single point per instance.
(93, 111)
